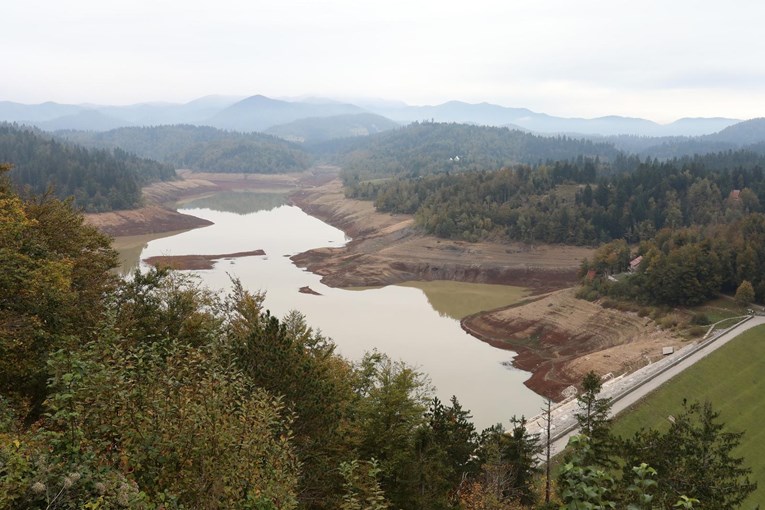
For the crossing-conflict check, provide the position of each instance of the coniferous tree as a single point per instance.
(595, 423)
(694, 458)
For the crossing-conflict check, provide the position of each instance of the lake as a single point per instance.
(398, 320)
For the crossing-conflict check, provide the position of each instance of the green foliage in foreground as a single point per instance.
(731, 377)
(694, 462)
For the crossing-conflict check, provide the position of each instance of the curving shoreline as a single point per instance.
(387, 249)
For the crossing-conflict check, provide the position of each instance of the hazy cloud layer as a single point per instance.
(661, 60)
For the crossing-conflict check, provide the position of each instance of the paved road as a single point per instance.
(625, 391)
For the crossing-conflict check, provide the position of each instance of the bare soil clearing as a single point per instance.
(560, 338)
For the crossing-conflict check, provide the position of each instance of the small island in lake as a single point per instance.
(308, 290)
(196, 262)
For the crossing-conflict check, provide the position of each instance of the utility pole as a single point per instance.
(547, 416)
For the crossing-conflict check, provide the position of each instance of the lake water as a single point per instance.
(396, 320)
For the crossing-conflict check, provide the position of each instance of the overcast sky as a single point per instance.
(655, 59)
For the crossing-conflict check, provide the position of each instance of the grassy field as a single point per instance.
(460, 299)
(720, 309)
(733, 380)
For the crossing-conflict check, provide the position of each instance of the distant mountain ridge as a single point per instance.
(260, 113)
(495, 115)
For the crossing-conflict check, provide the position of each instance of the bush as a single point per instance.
(668, 322)
(700, 319)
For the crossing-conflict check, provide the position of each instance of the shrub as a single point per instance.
(700, 319)
(668, 322)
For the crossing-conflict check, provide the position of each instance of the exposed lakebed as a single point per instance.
(397, 320)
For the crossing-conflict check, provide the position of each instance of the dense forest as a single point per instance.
(155, 393)
(685, 266)
(579, 202)
(717, 198)
(201, 148)
(99, 180)
(421, 149)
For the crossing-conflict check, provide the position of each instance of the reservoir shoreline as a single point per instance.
(387, 249)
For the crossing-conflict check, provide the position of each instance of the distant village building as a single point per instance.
(635, 263)
(735, 195)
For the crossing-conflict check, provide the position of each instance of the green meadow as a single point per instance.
(733, 380)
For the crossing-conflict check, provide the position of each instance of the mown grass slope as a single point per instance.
(733, 380)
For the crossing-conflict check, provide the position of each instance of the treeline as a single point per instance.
(421, 149)
(99, 180)
(582, 202)
(153, 392)
(201, 148)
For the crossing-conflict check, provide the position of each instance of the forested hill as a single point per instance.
(321, 129)
(580, 202)
(427, 148)
(201, 148)
(99, 180)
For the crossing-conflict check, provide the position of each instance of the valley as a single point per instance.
(558, 338)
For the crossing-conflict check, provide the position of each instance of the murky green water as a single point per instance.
(396, 320)
(458, 299)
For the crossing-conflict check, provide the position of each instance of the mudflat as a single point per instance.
(560, 338)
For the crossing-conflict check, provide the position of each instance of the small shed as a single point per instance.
(666, 351)
(635, 263)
